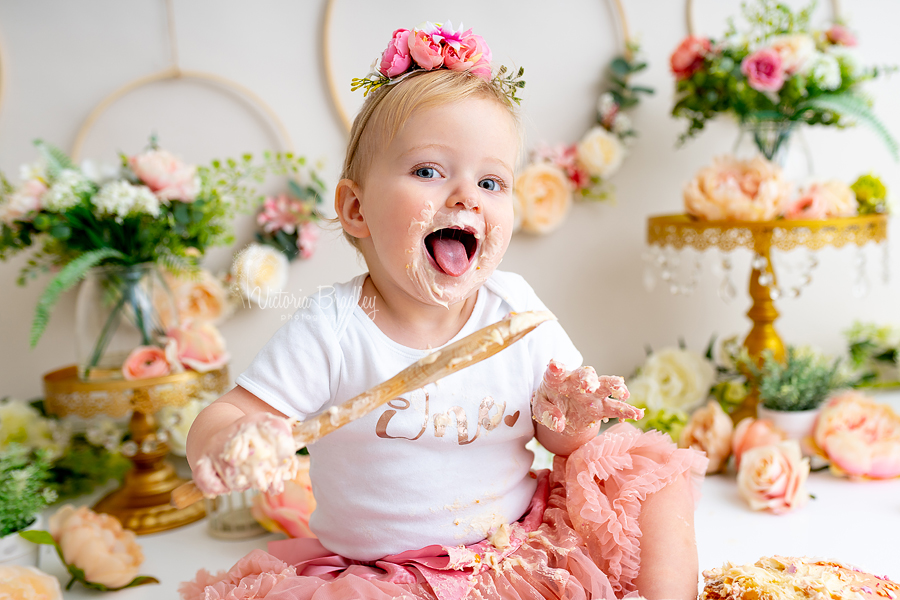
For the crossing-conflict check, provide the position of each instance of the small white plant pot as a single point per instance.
(17, 551)
(797, 424)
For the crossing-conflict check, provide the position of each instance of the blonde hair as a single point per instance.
(386, 110)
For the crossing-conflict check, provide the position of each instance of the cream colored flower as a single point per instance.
(709, 430)
(21, 423)
(199, 296)
(796, 51)
(97, 544)
(176, 421)
(544, 195)
(600, 152)
(742, 190)
(773, 477)
(823, 200)
(27, 583)
(259, 271)
(672, 378)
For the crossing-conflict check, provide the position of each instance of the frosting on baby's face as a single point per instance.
(438, 201)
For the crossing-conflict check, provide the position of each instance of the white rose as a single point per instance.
(259, 271)
(796, 51)
(600, 152)
(544, 196)
(826, 71)
(673, 378)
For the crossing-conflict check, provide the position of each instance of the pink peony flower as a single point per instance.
(166, 175)
(289, 511)
(200, 346)
(688, 56)
(860, 437)
(742, 190)
(473, 55)
(709, 430)
(752, 433)
(773, 477)
(823, 200)
(254, 576)
(283, 213)
(840, 35)
(307, 239)
(396, 60)
(28, 583)
(764, 70)
(146, 362)
(97, 544)
(424, 49)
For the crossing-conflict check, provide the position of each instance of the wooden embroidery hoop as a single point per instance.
(692, 30)
(329, 71)
(176, 72)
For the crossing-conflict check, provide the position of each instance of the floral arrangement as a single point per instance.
(546, 187)
(288, 512)
(778, 70)
(153, 208)
(731, 189)
(94, 548)
(874, 353)
(288, 222)
(803, 381)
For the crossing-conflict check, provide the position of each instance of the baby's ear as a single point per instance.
(349, 210)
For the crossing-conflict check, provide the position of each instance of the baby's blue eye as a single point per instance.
(426, 172)
(489, 184)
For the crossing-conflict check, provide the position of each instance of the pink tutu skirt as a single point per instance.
(579, 539)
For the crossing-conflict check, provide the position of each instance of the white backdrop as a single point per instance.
(62, 58)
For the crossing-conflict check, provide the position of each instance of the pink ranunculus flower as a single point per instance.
(254, 576)
(289, 511)
(395, 59)
(28, 583)
(166, 175)
(200, 346)
(763, 70)
(823, 200)
(146, 362)
(427, 52)
(473, 55)
(709, 430)
(97, 544)
(840, 36)
(751, 433)
(687, 58)
(741, 190)
(773, 477)
(860, 437)
(307, 238)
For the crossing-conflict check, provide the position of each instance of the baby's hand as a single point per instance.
(256, 451)
(569, 402)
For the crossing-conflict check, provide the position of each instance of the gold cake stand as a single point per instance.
(142, 502)
(684, 231)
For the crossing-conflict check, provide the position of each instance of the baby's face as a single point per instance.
(438, 201)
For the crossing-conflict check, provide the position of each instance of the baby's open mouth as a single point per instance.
(452, 249)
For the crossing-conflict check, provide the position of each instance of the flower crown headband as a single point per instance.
(433, 46)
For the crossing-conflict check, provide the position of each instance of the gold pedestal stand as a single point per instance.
(142, 503)
(683, 231)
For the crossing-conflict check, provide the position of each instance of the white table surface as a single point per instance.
(857, 523)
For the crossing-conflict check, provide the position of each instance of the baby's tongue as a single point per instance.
(450, 255)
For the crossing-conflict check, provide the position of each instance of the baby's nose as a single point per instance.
(466, 197)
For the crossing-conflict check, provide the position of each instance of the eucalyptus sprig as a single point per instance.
(510, 82)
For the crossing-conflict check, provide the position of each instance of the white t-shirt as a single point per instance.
(441, 465)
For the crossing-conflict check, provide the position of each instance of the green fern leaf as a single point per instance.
(57, 160)
(856, 108)
(71, 274)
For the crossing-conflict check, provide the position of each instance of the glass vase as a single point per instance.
(779, 141)
(118, 309)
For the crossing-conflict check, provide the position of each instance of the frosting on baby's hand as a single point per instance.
(261, 454)
(569, 402)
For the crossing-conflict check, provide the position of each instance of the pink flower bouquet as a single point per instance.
(289, 222)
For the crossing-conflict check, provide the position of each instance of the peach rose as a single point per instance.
(199, 296)
(424, 50)
(23, 202)
(742, 190)
(823, 200)
(764, 70)
(28, 583)
(773, 477)
(253, 576)
(752, 433)
(200, 346)
(166, 175)
(600, 152)
(395, 59)
(796, 51)
(289, 511)
(860, 437)
(688, 56)
(146, 362)
(473, 55)
(544, 196)
(709, 430)
(97, 544)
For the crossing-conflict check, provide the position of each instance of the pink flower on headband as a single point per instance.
(425, 50)
(473, 55)
(396, 60)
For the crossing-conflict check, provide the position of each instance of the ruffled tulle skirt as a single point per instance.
(579, 539)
